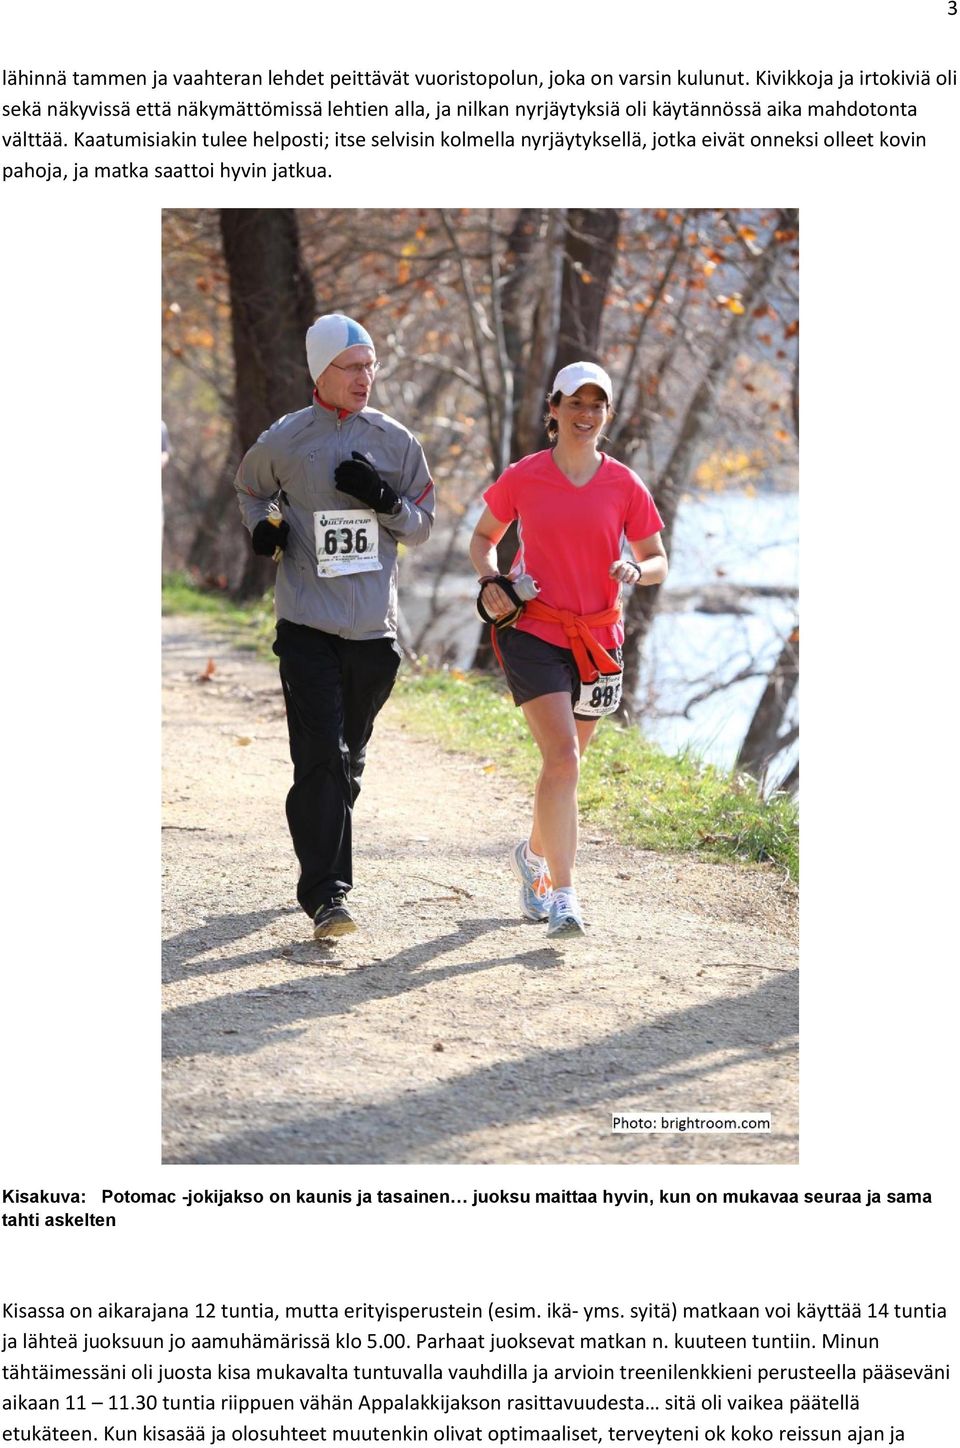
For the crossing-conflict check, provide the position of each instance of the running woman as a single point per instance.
(574, 506)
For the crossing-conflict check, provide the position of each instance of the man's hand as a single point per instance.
(268, 538)
(361, 480)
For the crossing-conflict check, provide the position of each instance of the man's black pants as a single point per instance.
(334, 689)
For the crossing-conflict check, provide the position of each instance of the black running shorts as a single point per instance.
(534, 667)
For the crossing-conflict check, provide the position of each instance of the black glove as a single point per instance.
(267, 537)
(362, 481)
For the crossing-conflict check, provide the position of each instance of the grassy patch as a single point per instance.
(249, 625)
(628, 787)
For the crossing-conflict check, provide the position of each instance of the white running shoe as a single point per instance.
(563, 916)
(534, 882)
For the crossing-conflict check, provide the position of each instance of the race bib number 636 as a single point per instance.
(346, 542)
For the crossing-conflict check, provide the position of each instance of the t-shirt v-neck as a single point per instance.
(569, 481)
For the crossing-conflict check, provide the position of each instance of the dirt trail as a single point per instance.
(449, 1030)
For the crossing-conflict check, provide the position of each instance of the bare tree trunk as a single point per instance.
(272, 304)
(642, 604)
(632, 420)
(530, 365)
(519, 275)
(535, 368)
(589, 251)
(791, 784)
(589, 257)
(763, 740)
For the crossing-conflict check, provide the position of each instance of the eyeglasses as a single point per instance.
(357, 369)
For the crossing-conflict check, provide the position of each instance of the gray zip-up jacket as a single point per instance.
(292, 464)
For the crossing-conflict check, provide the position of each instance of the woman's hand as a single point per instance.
(624, 571)
(495, 601)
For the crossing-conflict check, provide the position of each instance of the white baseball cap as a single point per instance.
(329, 336)
(576, 374)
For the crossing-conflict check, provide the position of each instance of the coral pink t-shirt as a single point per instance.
(569, 536)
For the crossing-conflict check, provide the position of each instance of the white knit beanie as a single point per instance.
(331, 335)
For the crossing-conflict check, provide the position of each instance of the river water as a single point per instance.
(723, 538)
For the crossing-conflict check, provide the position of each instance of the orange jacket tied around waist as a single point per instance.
(590, 657)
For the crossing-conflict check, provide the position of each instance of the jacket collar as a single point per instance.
(340, 412)
(370, 415)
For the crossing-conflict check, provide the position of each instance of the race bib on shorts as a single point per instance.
(346, 542)
(601, 697)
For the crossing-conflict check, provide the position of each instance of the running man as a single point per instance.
(329, 492)
(574, 507)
